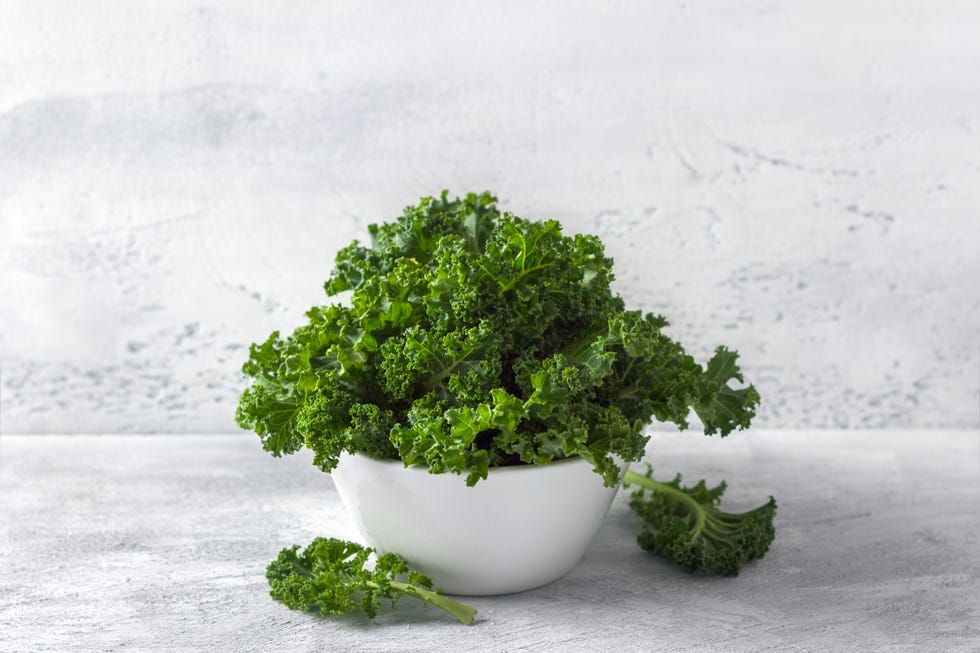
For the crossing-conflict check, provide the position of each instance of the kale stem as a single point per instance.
(464, 613)
(648, 483)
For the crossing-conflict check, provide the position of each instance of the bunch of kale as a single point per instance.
(472, 339)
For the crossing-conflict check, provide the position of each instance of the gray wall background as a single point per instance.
(800, 181)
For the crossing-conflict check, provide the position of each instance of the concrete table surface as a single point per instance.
(159, 543)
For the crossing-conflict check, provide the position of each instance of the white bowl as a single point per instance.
(520, 528)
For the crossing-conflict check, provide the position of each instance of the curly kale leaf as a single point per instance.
(330, 575)
(311, 389)
(463, 364)
(654, 378)
(271, 405)
(414, 235)
(547, 287)
(332, 421)
(684, 524)
(720, 407)
(429, 439)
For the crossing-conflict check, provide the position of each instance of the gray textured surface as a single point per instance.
(159, 543)
(798, 181)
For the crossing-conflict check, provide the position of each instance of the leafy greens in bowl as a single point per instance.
(474, 339)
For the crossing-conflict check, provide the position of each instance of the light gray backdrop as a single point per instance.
(800, 181)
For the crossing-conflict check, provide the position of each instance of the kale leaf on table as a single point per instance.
(332, 576)
(685, 525)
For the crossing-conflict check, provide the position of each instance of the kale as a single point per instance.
(473, 339)
(331, 575)
(685, 525)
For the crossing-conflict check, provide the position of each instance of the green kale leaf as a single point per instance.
(330, 575)
(685, 525)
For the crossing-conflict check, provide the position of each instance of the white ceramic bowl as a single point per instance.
(520, 528)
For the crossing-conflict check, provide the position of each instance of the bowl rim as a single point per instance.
(554, 467)
(526, 468)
